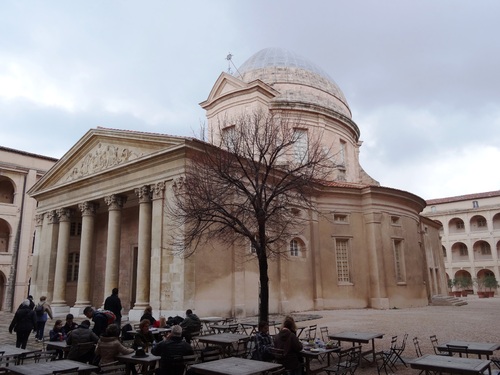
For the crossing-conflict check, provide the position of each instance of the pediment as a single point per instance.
(227, 84)
(103, 149)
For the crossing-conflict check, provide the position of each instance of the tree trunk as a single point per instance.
(264, 289)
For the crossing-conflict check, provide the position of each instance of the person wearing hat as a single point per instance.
(23, 323)
(171, 347)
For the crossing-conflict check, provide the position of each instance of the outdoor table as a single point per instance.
(309, 355)
(59, 345)
(224, 340)
(359, 338)
(451, 365)
(234, 366)
(46, 368)
(148, 362)
(249, 328)
(12, 350)
(211, 319)
(222, 328)
(478, 348)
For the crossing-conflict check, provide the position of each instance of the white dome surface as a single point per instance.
(297, 79)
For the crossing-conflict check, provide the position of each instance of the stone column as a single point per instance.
(144, 248)
(64, 215)
(36, 254)
(115, 204)
(155, 281)
(46, 261)
(84, 272)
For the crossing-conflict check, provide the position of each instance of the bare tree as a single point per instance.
(249, 186)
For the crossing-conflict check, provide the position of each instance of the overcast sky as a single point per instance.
(422, 78)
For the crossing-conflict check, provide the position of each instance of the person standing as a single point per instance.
(43, 312)
(100, 320)
(113, 304)
(23, 323)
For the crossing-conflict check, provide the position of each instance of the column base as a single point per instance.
(60, 311)
(77, 311)
(379, 303)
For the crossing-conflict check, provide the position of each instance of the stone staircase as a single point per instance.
(440, 300)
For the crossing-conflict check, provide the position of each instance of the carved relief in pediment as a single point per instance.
(100, 158)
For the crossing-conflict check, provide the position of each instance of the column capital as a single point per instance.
(178, 185)
(64, 214)
(144, 194)
(38, 220)
(115, 202)
(159, 190)
(88, 208)
(52, 217)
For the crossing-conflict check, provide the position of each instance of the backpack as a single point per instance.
(109, 314)
(39, 310)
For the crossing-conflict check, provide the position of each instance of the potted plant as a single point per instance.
(450, 287)
(491, 283)
(457, 288)
(481, 293)
(465, 284)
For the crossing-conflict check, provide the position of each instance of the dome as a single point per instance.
(297, 79)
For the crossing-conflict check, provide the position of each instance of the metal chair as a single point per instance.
(347, 363)
(496, 361)
(416, 343)
(210, 354)
(278, 354)
(29, 357)
(279, 371)
(112, 368)
(311, 332)
(189, 360)
(324, 333)
(435, 344)
(242, 348)
(460, 349)
(390, 353)
(396, 351)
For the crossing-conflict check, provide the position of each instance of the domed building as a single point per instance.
(103, 220)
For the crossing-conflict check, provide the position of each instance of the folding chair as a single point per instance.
(435, 344)
(396, 352)
(194, 340)
(210, 354)
(390, 353)
(29, 357)
(311, 332)
(347, 363)
(189, 360)
(279, 371)
(324, 333)
(416, 343)
(278, 354)
(47, 356)
(460, 349)
(242, 348)
(112, 368)
(496, 361)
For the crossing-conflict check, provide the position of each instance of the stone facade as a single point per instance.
(364, 246)
(19, 171)
(470, 233)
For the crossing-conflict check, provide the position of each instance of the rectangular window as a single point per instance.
(399, 261)
(463, 250)
(481, 223)
(485, 249)
(342, 153)
(460, 225)
(75, 229)
(73, 264)
(395, 220)
(475, 204)
(340, 218)
(229, 137)
(342, 257)
(300, 146)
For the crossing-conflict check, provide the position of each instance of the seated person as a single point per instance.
(57, 334)
(148, 314)
(263, 341)
(191, 324)
(144, 338)
(171, 349)
(160, 323)
(109, 345)
(79, 336)
(288, 341)
(70, 325)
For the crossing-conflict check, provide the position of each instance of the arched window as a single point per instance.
(295, 248)
(478, 223)
(6, 190)
(4, 236)
(456, 225)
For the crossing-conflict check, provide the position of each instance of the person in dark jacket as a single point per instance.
(82, 335)
(113, 304)
(191, 324)
(148, 314)
(291, 346)
(144, 338)
(100, 320)
(23, 323)
(263, 342)
(171, 349)
(70, 325)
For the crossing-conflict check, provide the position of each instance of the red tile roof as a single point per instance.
(459, 198)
